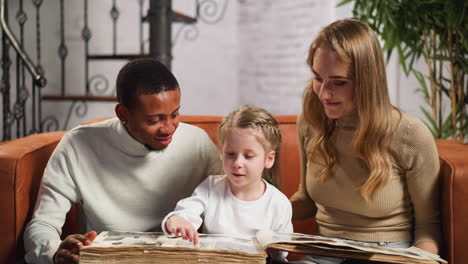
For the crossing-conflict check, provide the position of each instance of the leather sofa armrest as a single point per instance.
(454, 206)
(22, 163)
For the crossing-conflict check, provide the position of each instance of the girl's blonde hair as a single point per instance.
(269, 134)
(357, 46)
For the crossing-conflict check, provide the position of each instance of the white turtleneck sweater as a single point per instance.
(117, 182)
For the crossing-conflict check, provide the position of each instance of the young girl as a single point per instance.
(241, 202)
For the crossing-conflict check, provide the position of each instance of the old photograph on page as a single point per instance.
(208, 241)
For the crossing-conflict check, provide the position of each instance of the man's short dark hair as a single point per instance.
(143, 76)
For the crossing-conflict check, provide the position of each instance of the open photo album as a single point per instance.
(112, 247)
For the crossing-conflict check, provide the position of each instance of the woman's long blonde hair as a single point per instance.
(269, 136)
(356, 45)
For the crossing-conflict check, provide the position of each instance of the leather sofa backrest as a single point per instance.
(22, 163)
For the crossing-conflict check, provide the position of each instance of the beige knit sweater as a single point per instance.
(406, 209)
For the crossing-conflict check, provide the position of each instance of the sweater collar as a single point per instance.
(349, 122)
(266, 194)
(127, 143)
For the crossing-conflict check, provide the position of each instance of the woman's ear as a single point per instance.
(270, 159)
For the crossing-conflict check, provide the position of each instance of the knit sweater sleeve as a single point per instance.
(302, 194)
(56, 195)
(422, 169)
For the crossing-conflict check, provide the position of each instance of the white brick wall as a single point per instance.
(274, 41)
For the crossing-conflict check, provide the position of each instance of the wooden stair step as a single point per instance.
(183, 18)
(178, 17)
(79, 98)
(116, 56)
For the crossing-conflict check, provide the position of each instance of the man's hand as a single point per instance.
(178, 226)
(69, 250)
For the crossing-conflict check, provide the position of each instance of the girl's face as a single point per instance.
(244, 159)
(332, 83)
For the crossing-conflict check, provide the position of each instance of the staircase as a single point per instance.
(24, 77)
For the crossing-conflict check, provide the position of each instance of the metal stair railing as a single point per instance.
(158, 43)
(39, 79)
(18, 113)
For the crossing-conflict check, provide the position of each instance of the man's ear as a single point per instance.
(270, 159)
(122, 112)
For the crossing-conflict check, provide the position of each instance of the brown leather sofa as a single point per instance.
(22, 162)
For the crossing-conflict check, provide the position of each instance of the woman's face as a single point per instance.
(332, 83)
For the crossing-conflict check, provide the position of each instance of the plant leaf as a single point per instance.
(344, 2)
(422, 81)
(433, 125)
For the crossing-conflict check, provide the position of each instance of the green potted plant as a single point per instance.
(435, 30)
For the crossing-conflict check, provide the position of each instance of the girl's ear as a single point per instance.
(270, 159)
(221, 152)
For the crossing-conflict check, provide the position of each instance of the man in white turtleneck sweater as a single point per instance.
(124, 173)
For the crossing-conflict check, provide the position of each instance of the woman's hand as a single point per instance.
(178, 226)
(428, 246)
(69, 250)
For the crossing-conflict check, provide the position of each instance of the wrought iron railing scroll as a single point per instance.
(17, 113)
(21, 96)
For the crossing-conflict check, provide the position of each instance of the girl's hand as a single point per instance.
(178, 226)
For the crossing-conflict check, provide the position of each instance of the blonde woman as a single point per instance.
(369, 171)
